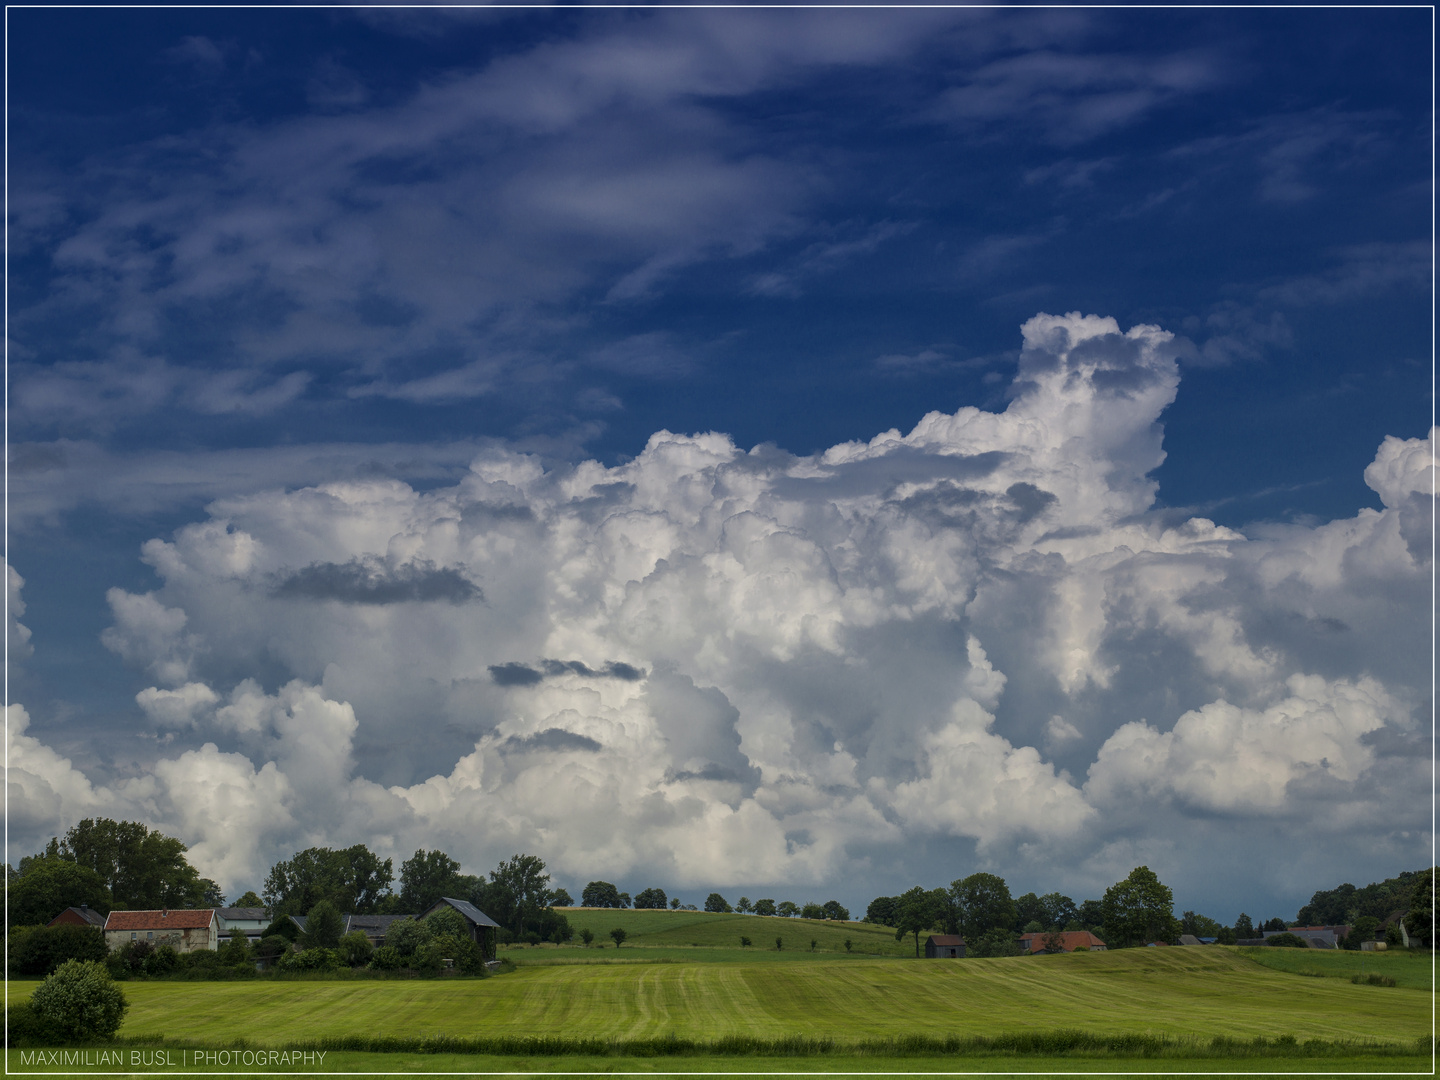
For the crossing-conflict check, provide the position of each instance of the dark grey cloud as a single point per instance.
(369, 581)
(517, 674)
(550, 739)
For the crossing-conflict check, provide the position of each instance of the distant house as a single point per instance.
(946, 946)
(184, 931)
(372, 926)
(1397, 919)
(252, 920)
(1067, 940)
(483, 929)
(78, 916)
(1317, 937)
(1191, 939)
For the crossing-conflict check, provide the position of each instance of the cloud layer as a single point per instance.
(711, 667)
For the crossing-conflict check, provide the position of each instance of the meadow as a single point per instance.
(1177, 993)
(1414, 970)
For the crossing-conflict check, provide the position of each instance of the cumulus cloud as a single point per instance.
(713, 665)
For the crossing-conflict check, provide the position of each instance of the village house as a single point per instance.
(1064, 940)
(252, 920)
(183, 931)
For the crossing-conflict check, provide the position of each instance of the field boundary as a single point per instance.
(1019, 1045)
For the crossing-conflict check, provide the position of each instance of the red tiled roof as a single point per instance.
(1070, 940)
(170, 919)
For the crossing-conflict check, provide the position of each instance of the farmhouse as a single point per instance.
(944, 946)
(372, 926)
(183, 931)
(78, 916)
(1062, 941)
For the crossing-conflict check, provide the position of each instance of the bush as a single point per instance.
(24, 1027)
(162, 960)
(201, 960)
(322, 927)
(407, 935)
(40, 950)
(619, 935)
(996, 942)
(1287, 941)
(386, 958)
(270, 948)
(1372, 979)
(80, 1000)
(311, 960)
(447, 920)
(356, 948)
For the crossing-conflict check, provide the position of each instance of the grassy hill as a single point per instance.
(1195, 993)
(715, 931)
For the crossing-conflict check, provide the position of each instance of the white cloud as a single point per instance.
(709, 665)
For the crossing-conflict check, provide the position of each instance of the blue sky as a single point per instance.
(322, 321)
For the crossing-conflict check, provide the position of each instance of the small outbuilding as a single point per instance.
(944, 946)
(78, 916)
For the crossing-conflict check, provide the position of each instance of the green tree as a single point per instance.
(406, 935)
(649, 899)
(619, 935)
(1138, 910)
(1060, 911)
(984, 904)
(47, 886)
(915, 912)
(744, 942)
(787, 910)
(353, 879)
(1030, 908)
(142, 868)
(600, 894)
(249, 899)
(356, 948)
(674, 903)
(322, 927)
(764, 907)
(881, 911)
(80, 999)
(1419, 922)
(779, 944)
(236, 951)
(743, 905)
(587, 936)
(39, 950)
(812, 910)
(425, 877)
(1244, 928)
(716, 902)
(835, 912)
(994, 942)
(561, 898)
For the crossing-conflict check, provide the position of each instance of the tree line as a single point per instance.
(602, 894)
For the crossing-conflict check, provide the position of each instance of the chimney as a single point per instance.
(165, 914)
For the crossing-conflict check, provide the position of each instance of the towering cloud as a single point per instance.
(980, 639)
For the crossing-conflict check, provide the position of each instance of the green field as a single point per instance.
(722, 932)
(1172, 992)
(1409, 969)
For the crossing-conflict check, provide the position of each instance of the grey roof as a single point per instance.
(89, 914)
(299, 920)
(469, 910)
(372, 922)
(235, 914)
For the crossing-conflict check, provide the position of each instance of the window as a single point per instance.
(149, 933)
(133, 935)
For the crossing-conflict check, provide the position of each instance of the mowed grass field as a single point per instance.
(719, 934)
(1176, 992)
(1414, 970)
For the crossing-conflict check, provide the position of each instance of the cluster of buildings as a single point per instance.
(952, 946)
(208, 928)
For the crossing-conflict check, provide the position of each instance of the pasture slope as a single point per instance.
(723, 931)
